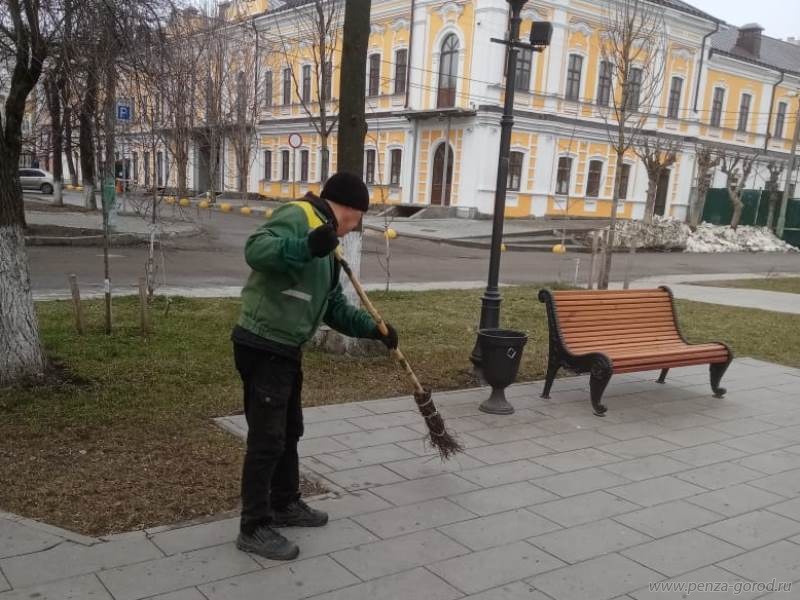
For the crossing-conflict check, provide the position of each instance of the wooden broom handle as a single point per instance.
(378, 320)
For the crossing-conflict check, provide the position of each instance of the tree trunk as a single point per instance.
(774, 197)
(697, 208)
(109, 121)
(86, 120)
(181, 167)
(352, 128)
(738, 205)
(54, 105)
(605, 271)
(21, 355)
(73, 175)
(352, 123)
(213, 167)
(650, 205)
(324, 158)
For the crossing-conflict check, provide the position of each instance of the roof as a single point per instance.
(687, 8)
(775, 54)
(678, 5)
(287, 4)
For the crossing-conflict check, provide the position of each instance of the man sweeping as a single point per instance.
(292, 288)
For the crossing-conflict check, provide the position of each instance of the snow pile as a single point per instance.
(746, 238)
(664, 233)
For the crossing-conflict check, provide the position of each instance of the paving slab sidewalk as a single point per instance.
(548, 503)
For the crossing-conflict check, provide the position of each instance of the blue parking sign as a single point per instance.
(123, 112)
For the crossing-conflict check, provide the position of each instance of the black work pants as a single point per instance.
(272, 407)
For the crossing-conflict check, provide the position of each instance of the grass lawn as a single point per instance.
(124, 440)
(771, 284)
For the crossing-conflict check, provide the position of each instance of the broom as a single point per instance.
(439, 437)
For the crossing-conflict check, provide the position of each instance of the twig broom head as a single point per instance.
(439, 437)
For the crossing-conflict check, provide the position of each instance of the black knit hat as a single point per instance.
(346, 189)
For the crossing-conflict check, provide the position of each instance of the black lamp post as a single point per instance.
(539, 39)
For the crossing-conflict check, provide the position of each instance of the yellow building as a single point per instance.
(435, 90)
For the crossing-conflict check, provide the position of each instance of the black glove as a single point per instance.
(322, 240)
(390, 339)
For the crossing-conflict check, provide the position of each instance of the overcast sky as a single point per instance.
(779, 18)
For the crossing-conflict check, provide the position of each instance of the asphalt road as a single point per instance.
(215, 259)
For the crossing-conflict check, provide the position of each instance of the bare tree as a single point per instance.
(52, 89)
(241, 100)
(180, 63)
(25, 30)
(86, 119)
(633, 42)
(318, 24)
(658, 154)
(705, 159)
(215, 74)
(737, 167)
(69, 124)
(775, 170)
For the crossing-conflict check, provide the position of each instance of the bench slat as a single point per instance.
(646, 322)
(616, 304)
(668, 364)
(709, 357)
(562, 295)
(568, 314)
(610, 328)
(619, 344)
(611, 336)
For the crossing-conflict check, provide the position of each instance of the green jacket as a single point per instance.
(289, 292)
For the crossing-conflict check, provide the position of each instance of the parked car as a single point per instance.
(36, 179)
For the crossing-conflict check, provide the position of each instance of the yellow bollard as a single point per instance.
(268, 213)
(245, 210)
(225, 207)
(185, 202)
(390, 234)
(559, 249)
(203, 204)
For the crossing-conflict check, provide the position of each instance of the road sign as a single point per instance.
(295, 140)
(124, 111)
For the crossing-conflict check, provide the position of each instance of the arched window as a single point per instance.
(448, 66)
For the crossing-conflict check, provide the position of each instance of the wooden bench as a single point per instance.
(606, 332)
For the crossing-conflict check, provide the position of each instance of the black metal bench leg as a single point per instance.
(552, 369)
(598, 380)
(663, 376)
(717, 371)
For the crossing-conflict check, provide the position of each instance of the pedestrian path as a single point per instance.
(679, 284)
(550, 503)
(89, 291)
(682, 287)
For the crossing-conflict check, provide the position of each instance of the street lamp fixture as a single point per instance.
(539, 39)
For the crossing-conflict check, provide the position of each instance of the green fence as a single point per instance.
(718, 210)
(791, 230)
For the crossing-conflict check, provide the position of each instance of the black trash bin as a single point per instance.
(501, 353)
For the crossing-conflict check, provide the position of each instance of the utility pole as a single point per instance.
(789, 172)
(539, 39)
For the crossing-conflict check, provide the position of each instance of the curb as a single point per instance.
(118, 239)
(467, 243)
